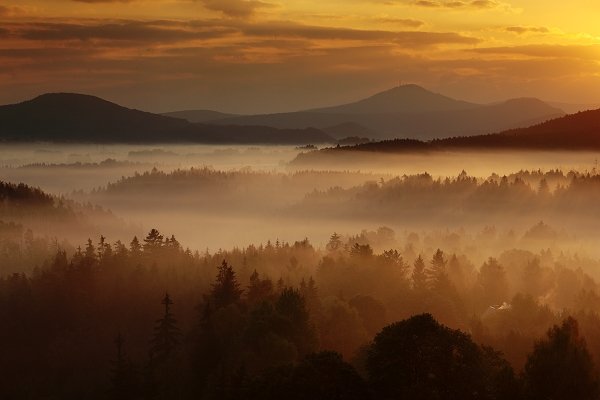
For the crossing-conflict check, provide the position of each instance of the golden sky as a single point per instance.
(270, 56)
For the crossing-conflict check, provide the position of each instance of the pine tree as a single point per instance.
(90, 251)
(335, 242)
(226, 290)
(166, 334)
(120, 249)
(419, 278)
(561, 367)
(153, 241)
(172, 243)
(436, 273)
(101, 247)
(135, 248)
(259, 289)
(124, 376)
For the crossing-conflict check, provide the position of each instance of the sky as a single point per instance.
(261, 56)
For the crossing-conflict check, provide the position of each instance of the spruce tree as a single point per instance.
(226, 289)
(436, 273)
(153, 241)
(166, 334)
(124, 376)
(135, 247)
(335, 242)
(419, 278)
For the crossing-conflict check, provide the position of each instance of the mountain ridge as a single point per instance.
(81, 118)
(429, 116)
(573, 132)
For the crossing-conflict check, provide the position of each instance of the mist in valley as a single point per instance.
(306, 257)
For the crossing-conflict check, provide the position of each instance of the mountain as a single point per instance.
(348, 129)
(196, 116)
(578, 132)
(401, 99)
(571, 108)
(68, 117)
(410, 111)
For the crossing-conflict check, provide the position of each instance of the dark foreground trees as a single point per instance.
(231, 333)
(419, 358)
(561, 367)
(320, 376)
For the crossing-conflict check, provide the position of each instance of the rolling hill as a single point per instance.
(197, 116)
(411, 111)
(401, 99)
(574, 132)
(68, 117)
(579, 131)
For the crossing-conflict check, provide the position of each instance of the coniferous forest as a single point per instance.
(150, 319)
(243, 283)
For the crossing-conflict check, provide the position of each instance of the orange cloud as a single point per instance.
(477, 4)
(527, 29)
(235, 8)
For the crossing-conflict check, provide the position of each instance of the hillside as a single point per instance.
(401, 99)
(81, 118)
(412, 112)
(196, 116)
(579, 132)
(68, 117)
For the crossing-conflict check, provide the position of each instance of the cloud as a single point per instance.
(408, 39)
(103, 1)
(131, 33)
(407, 22)
(519, 30)
(467, 4)
(11, 11)
(419, 39)
(116, 32)
(235, 8)
(590, 52)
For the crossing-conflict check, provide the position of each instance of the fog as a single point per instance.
(215, 197)
(267, 260)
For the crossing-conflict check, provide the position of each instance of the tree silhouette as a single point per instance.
(124, 378)
(259, 289)
(436, 273)
(335, 242)
(493, 283)
(320, 376)
(560, 367)
(296, 323)
(166, 334)
(135, 247)
(226, 290)
(153, 241)
(420, 359)
(90, 252)
(419, 278)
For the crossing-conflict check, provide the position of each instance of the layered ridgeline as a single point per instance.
(26, 211)
(579, 131)
(408, 111)
(77, 118)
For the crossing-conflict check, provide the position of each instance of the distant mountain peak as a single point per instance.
(408, 98)
(65, 96)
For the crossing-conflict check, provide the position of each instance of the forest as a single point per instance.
(150, 319)
(145, 277)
